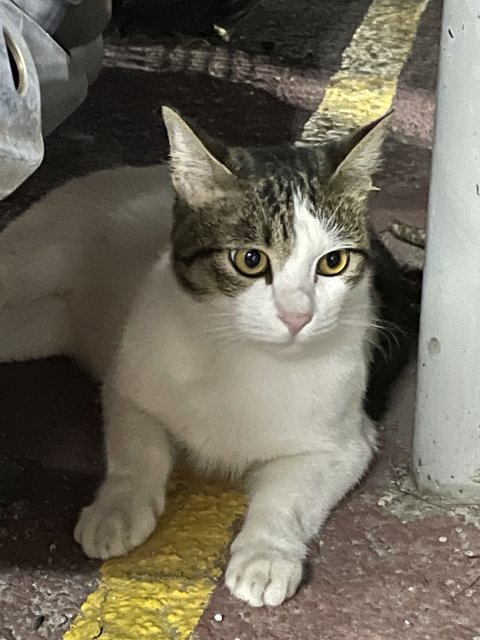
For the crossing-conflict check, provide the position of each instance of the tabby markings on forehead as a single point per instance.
(274, 206)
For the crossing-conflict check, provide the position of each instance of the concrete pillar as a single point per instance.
(446, 448)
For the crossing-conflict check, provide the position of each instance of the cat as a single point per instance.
(227, 303)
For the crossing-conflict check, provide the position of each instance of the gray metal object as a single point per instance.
(446, 448)
(50, 51)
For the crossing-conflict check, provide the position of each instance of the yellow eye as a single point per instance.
(250, 262)
(333, 263)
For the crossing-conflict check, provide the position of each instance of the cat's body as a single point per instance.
(259, 375)
(89, 244)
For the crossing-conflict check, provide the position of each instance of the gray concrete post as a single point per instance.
(446, 447)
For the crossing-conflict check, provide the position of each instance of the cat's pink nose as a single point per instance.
(295, 321)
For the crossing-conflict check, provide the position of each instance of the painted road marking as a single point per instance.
(159, 591)
(364, 87)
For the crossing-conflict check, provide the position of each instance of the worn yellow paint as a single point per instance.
(159, 591)
(365, 85)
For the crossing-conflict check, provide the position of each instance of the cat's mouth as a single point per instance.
(288, 342)
(281, 338)
(306, 338)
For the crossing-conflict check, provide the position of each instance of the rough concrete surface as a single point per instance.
(388, 564)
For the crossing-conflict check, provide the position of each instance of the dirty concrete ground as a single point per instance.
(389, 564)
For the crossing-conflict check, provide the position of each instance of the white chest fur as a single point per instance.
(235, 404)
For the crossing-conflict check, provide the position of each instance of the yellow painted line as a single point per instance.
(364, 87)
(159, 591)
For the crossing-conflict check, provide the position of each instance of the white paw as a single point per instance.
(116, 522)
(263, 577)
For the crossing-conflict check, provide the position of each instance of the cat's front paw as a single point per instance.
(263, 577)
(116, 523)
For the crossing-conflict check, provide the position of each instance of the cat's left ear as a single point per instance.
(356, 157)
(198, 173)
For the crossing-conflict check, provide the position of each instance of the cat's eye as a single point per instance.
(333, 263)
(250, 262)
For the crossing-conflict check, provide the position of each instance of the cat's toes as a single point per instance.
(263, 578)
(113, 527)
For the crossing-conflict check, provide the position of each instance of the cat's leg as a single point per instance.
(39, 255)
(35, 329)
(290, 498)
(132, 496)
(36, 267)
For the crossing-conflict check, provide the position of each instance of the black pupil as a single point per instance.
(252, 259)
(333, 259)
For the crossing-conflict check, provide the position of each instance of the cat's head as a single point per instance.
(275, 241)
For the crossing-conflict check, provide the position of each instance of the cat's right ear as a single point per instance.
(199, 177)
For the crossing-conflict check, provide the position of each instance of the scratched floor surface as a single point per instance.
(387, 565)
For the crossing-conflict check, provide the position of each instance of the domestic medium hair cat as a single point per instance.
(227, 303)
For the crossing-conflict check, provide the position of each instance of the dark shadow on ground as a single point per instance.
(50, 463)
(304, 34)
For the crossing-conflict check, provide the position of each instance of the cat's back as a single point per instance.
(127, 205)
